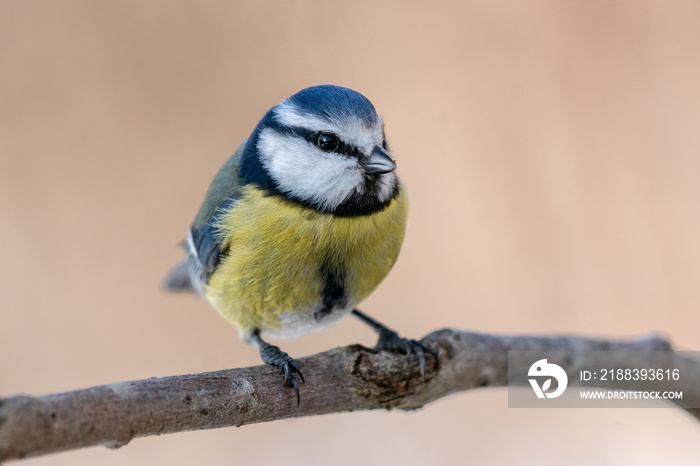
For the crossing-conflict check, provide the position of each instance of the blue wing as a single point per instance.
(204, 243)
(203, 248)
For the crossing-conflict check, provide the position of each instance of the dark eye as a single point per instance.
(327, 142)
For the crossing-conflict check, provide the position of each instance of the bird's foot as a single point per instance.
(274, 356)
(391, 341)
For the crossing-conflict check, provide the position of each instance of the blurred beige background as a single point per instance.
(551, 153)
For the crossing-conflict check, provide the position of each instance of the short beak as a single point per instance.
(378, 163)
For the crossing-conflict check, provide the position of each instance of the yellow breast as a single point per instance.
(277, 251)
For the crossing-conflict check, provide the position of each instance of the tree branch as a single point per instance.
(342, 379)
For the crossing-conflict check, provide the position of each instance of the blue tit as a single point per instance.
(300, 225)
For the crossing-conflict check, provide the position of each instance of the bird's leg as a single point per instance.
(274, 356)
(390, 340)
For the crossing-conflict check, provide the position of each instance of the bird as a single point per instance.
(300, 225)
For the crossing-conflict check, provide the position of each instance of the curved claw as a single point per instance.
(287, 373)
(290, 380)
(293, 383)
(417, 349)
(276, 357)
(295, 368)
(390, 340)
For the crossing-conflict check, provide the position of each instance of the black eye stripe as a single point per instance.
(311, 137)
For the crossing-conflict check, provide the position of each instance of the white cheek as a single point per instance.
(386, 185)
(302, 170)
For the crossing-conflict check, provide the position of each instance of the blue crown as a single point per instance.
(335, 103)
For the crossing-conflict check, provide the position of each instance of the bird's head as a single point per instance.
(325, 148)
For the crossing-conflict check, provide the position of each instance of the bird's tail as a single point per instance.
(178, 279)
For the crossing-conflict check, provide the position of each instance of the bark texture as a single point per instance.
(342, 379)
